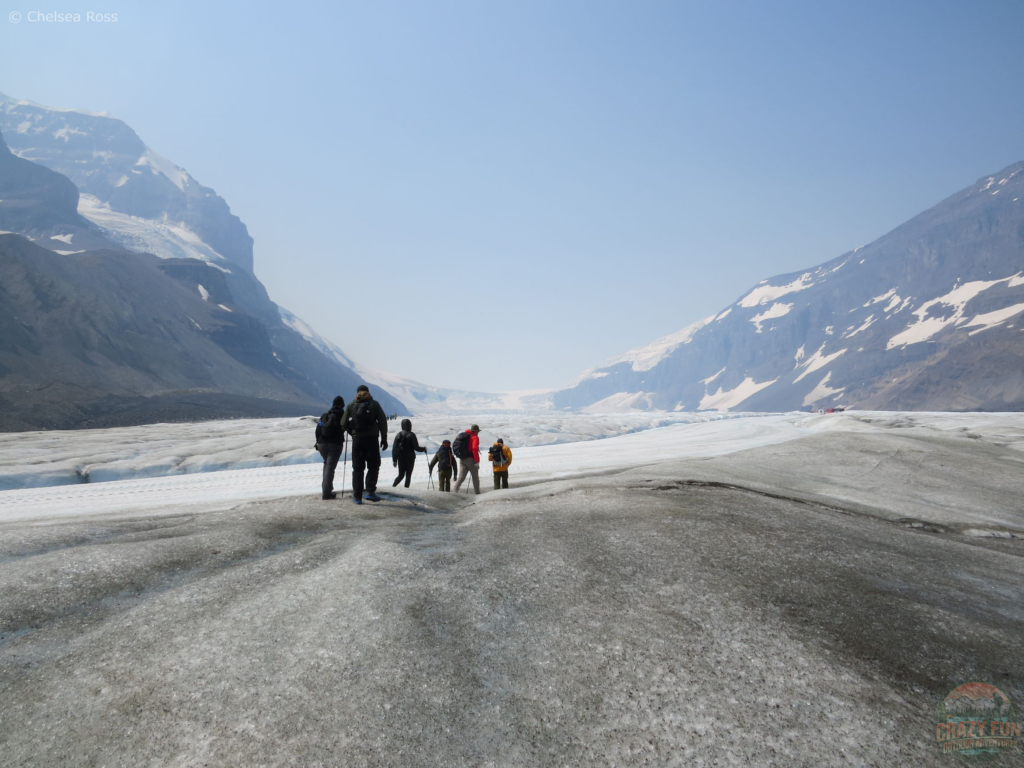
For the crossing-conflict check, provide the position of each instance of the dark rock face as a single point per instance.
(33, 198)
(78, 330)
(927, 317)
(107, 160)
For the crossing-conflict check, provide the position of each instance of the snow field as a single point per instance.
(220, 490)
(177, 466)
(36, 459)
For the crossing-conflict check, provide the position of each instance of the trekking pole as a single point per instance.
(344, 470)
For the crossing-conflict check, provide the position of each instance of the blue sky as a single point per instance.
(490, 195)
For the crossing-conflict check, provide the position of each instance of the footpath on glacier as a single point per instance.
(807, 600)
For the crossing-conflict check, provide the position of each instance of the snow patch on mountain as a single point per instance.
(863, 327)
(767, 293)
(822, 391)
(162, 166)
(621, 402)
(328, 348)
(878, 299)
(723, 400)
(709, 379)
(926, 327)
(894, 302)
(776, 310)
(994, 319)
(648, 356)
(817, 361)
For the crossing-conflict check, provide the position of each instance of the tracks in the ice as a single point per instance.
(969, 531)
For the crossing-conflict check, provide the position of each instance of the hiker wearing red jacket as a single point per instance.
(467, 450)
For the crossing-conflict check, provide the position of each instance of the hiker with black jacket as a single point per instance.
(366, 421)
(403, 452)
(330, 440)
(444, 459)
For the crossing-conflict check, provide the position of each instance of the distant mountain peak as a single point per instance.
(108, 162)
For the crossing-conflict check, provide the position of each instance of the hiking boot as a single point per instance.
(329, 496)
(356, 501)
(372, 497)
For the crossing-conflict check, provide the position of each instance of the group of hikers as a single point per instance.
(364, 421)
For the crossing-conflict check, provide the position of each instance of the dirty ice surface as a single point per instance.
(809, 601)
(218, 464)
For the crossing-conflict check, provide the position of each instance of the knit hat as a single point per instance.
(500, 441)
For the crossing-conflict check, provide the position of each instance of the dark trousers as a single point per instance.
(444, 479)
(501, 480)
(405, 467)
(331, 452)
(365, 458)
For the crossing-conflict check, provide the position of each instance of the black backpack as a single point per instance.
(496, 454)
(328, 429)
(461, 446)
(362, 419)
(399, 445)
(444, 457)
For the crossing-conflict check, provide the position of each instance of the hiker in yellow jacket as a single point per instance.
(500, 456)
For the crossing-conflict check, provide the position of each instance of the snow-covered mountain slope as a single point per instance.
(138, 198)
(926, 317)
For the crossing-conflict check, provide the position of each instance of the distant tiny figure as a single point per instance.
(403, 453)
(500, 456)
(365, 420)
(467, 450)
(330, 440)
(445, 461)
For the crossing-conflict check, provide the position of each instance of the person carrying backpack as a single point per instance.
(444, 459)
(403, 453)
(500, 456)
(330, 440)
(366, 421)
(467, 450)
